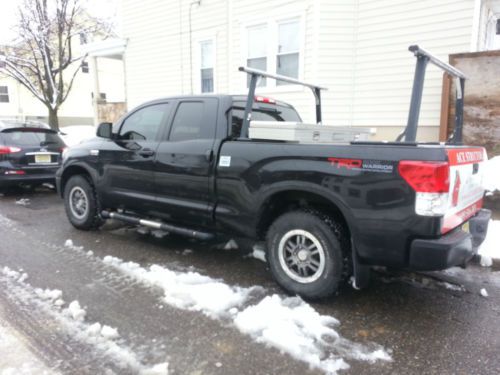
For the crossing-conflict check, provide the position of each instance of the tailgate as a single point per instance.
(465, 196)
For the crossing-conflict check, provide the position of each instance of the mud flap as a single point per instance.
(361, 272)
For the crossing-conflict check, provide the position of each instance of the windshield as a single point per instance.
(267, 113)
(31, 137)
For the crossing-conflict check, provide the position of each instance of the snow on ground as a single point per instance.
(231, 245)
(16, 358)
(75, 134)
(187, 290)
(258, 253)
(102, 338)
(491, 177)
(490, 248)
(23, 202)
(288, 324)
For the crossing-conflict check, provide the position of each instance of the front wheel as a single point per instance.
(81, 204)
(305, 255)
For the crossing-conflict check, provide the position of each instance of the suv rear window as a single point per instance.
(263, 113)
(31, 137)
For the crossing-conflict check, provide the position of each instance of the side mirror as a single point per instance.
(104, 130)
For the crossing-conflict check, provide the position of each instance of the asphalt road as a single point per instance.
(428, 327)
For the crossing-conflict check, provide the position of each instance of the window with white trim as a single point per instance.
(207, 63)
(257, 49)
(4, 94)
(275, 46)
(288, 50)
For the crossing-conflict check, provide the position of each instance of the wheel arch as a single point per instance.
(73, 170)
(285, 199)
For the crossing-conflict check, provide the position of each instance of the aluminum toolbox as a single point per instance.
(307, 133)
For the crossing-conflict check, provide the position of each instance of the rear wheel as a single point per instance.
(81, 204)
(305, 255)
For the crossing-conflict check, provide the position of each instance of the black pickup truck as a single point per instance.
(325, 211)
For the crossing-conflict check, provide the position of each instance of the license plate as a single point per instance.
(465, 227)
(42, 158)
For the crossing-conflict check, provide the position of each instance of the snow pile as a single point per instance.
(102, 338)
(187, 290)
(486, 261)
(70, 245)
(294, 327)
(75, 134)
(158, 233)
(491, 177)
(75, 311)
(288, 324)
(23, 202)
(258, 253)
(16, 358)
(230, 245)
(491, 245)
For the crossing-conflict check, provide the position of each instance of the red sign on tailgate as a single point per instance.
(465, 156)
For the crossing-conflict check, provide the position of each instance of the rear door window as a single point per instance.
(193, 120)
(32, 138)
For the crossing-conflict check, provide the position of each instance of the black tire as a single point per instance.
(88, 218)
(286, 232)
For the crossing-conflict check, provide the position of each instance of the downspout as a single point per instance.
(474, 42)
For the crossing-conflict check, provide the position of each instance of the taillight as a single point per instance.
(426, 176)
(263, 99)
(8, 150)
(431, 182)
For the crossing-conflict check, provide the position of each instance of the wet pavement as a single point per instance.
(433, 323)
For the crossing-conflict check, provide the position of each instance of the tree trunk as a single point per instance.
(53, 119)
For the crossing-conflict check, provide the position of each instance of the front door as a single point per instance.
(185, 164)
(128, 159)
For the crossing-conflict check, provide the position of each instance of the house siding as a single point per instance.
(356, 48)
(385, 68)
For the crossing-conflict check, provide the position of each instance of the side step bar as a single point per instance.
(158, 225)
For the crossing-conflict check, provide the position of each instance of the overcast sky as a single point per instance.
(8, 14)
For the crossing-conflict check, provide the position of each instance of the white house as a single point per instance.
(17, 102)
(356, 48)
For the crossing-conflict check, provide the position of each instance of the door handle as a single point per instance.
(146, 152)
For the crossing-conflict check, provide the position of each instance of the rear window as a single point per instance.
(264, 113)
(34, 137)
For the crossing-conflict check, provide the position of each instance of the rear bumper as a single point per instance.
(30, 176)
(453, 249)
(7, 181)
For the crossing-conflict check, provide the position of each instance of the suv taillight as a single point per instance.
(8, 150)
(431, 182)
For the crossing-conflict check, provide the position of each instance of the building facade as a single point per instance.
(356, 48)
(17, 102)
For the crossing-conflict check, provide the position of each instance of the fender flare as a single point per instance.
(306, 187)
(80, 165)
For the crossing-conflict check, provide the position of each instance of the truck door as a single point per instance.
(128, 160)
(185, 163)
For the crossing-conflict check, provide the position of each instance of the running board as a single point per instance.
(158, 225)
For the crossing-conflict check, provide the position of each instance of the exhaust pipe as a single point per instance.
(186, 232)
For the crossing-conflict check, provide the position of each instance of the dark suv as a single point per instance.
(30, 153)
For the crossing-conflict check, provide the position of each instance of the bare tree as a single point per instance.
(43, 59)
